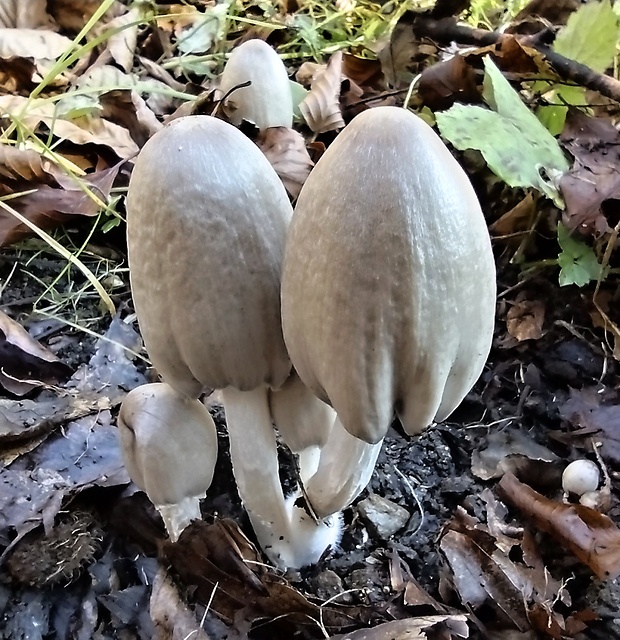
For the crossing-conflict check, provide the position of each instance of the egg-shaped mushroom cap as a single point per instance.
(206, 225)
(168, 442)
(388, 293)
(267, 101)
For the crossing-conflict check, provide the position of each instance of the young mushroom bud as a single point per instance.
(581, 477)
(206, 225)
(169, 448)
(388, 292)
(267, 101)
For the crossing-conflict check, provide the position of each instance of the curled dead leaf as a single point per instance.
(25, 363)
(321, 106)
(590, 536)
(286, 151)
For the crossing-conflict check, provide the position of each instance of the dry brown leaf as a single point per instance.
(83, 130)
(308, 71)
(32, 43)
(23, 164)
(447, 82)
(509, 450)
(26, 364)
(595, 411)
(496, 564)
(519, 218)
(55, 194)
(219, 554)
(525, 319)
(592, 537)
(72, 15)
(422, 628)
(321, 106)
(364, 72)
(172, 618)
(594, 177)
(286, 151)
(24, 14)
(122, 45)
(397, 54)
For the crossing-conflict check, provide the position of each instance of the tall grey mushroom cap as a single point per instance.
(388, 292)
(202, 201)
(169, 448)
(206, 228)
(267, 101)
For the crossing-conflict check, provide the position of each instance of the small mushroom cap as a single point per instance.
(168, 443)
(581, 477)
(206, 225)
(388, 292)
(268, 101)
(301, 418)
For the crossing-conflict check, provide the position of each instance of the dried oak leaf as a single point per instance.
(25, 364)
(286, 151)
(594, 177)
(590, 536)
(321, 106)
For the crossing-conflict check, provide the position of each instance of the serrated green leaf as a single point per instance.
(577, 261)
(590, 35)
(515, 144)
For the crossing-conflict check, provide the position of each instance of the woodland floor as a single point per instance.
(100, 584)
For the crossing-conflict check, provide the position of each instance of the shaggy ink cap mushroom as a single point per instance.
(267, 101)
(388, 291)
(206, 227)
(169, 448)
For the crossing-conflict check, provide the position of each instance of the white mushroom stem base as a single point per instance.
(287, 534)
(177, 516)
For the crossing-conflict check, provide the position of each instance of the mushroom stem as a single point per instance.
(178, 516)
(345, 466)
(287, 534)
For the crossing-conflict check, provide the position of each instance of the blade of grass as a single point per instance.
(67, 255)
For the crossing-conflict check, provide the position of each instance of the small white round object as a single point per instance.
(580, 476)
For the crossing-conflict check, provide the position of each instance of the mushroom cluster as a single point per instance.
(375, 297)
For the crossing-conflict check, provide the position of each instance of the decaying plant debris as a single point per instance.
(464, 531)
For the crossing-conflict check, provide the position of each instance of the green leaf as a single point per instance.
(515, 144)
(590, 35)
(298, 92)
(577, 261)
